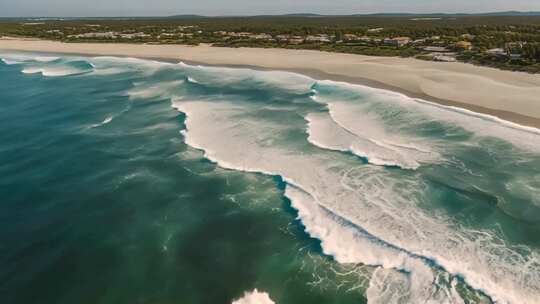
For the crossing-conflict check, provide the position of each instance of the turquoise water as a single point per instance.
(133, 181)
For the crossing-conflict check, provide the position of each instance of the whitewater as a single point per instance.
(442, 202)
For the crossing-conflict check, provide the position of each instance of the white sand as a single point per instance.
(509, 95)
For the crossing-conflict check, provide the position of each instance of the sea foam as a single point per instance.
(238, 78)
(254, 297)
(10, 62)
(326, 133)
(482, 125)
(379, 208)
(53, 71)
(362, 213)
(156, 90)
(21, 58)
(381, 204)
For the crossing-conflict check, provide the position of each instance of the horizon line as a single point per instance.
(299, 14)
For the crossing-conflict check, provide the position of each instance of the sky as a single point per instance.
(85, 8)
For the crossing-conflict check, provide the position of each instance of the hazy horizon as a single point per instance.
(125, 8)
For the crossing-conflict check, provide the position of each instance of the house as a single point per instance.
(165, 35)
(350, 37)
(353, 37)
(514, 49)
(375, 30)
(261, 36)
(186, 27)
(296, 40)
(240, 34)
(515, 45)
(468, 37)
(55, 32)
(397, 41)
(110, 35)
(283, 37)
(318, 38)
(497, 52)
(514, 56)
(436, 49)
(290, 39)
(444, 58)
(134, 35)
(463, 45)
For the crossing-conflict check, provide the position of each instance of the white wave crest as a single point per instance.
(254, 297)
(377, 201)
(350, 127)
(109, 71)
(10, 62)
(482, 125)
(106, 65)
(192, 80)
(45, 58)
(325, 133)
(104, 122)
(157, 90)
(364, 214)
(53, 71)
(348, 244)
(246, 78)
(24, 58)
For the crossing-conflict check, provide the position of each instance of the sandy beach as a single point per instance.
(513, 96)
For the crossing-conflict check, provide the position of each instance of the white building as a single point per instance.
(318, 38)
(134, 35)
(261, 36)
(375, 30)
(496, 52)
(444, 58)
(397, 41)
(110, 35)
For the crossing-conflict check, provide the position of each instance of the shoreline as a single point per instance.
(511, 96)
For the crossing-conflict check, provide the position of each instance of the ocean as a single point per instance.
(135, 181)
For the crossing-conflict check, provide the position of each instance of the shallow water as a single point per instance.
(127, 180)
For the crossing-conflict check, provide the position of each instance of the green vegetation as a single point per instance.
(505, 42)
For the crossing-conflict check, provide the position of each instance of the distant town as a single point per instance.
(503, 42)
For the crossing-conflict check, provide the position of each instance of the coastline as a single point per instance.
(512, 96)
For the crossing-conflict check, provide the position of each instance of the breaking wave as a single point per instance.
(420, 111)
(107, 120)
(53, 72)
(382, 205)
(58, 68)
(324, 132)
(413, 207)
(254, 297)
(237, 78)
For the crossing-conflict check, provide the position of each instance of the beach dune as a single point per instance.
(513, 96)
